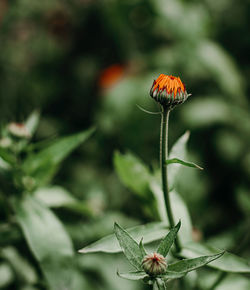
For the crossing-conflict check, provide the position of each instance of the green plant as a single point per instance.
(26, 168)
(153, 273)
(165, 201)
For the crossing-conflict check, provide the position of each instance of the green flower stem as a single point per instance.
(164, 170)
(159, 285)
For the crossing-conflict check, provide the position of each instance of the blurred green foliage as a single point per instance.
(85, 63)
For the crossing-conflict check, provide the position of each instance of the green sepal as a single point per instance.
(142, 247)
(168, 241)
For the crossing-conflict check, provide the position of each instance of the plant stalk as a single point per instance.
(159, 285)
(164, 170)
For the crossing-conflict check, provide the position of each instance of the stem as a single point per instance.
(159, 284)
(164, 170)
(219, 279)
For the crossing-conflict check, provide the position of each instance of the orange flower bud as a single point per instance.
(169, 91)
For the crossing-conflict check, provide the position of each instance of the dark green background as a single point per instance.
(52, 57)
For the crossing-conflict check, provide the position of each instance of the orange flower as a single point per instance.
(168, 91)
(111, 75)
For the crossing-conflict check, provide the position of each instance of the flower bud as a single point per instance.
(18, 130)
(154, 264)
(169, 91)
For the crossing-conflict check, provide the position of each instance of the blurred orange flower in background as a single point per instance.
(111, 75)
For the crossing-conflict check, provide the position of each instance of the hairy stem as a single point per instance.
(164, 170)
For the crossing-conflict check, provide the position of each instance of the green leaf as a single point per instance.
(234, 282)
(109, 244)
(22, 268)
(178, 151)
(7, 157)
(43, 165)
(172, 275)
(142, 248)
(188, 265)
(138, 275)
(132, 172)
(6, 275)
(168, 241)
(32, 122)
(243, 200)
(48, 241)
(130, 248)
(54, 196)
(183, 162)
(228, 262)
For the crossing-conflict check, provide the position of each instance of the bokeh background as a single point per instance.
(86, 63)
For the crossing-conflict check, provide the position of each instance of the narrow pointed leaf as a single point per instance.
(228, 262)
(168, 241)
(48, 241)
(142, 248)
(109, 244)
(132, 173)
(183, 162)
(6, 156)
(188, 265)
(43, 165)
(138, 275)
(131, 249)
(57, 151)
(22, 268)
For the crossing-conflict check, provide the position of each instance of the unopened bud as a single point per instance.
(18, 130)
(169, 91)
(154, 264)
